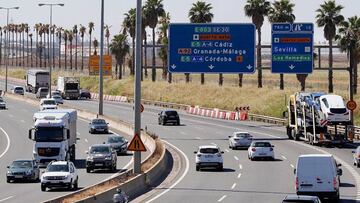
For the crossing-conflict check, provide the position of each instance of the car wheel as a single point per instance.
(178, 123)
(221, 167)
(358, 165)
(76, 184)
(8, 180)
(88, 170)
(70, 185)
(197, 168)
(114, 168)
(163, 122)
(43, 188)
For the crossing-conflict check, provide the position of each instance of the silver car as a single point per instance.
(357, 157)
(58, 99)
(240, 140)
(118, 143)
(2, 103)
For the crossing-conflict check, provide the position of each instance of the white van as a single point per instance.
(318, 175)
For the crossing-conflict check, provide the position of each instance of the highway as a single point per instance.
(242, 180)
(16, 121)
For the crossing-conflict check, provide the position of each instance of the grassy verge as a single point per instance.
(268, 100)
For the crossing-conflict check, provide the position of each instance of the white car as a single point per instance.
(209, 156)
(53, 93)
(47, 104)
(333, 109)
(240, 139)
(2, 103)
(318, 175)
(60, 174)
(261, 149)
(18, 90)
(58, 99)
(357, 157)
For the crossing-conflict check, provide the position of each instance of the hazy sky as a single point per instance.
(84, 11)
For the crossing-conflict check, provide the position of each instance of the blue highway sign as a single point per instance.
(292, 48)
(211, 48)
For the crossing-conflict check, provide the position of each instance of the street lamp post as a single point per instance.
(49, 38)
(7, 38)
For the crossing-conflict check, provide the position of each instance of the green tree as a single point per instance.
(59, 36)
(70, 38)
(75, 33)
(163, 39)
(257, 10)
(65, 37)
(200, 12)
(349, 41)
(281, 12)
(329, 17)
(107, 36)
(95, 44)
(153, 10)
(82, 34)
(91, 29)
(119, 47)
(129, 24)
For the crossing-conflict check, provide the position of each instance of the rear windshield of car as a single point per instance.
(209, 151)
(316, 166)
(171, 113)
(49, 102)
(116, 140)
(262, 144)
(242, 135)
(99, 150)
(58, 168)
(98, 121)
(18, 88)
(21, 164)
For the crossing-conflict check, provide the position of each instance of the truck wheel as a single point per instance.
(76, 186)
(197, 168)
(43, 188)
(288, 132)
(70, 185)
(88, 170)
(72, 154)
(7, 180)
(358, 165)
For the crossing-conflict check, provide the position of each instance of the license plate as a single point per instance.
(262, 154)
(98, 164)
(18, 176)
(208, 156)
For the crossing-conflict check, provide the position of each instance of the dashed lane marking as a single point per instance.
(239, 175)
(240, 166)
(198, 138)
(233, 186)
(77, 133)
(283, 157)
(183, 133)
(226, 150)
(292, 166)
(86, 140)
(222, 198)
(213, 143)
(11, 116)
(236, 158)
(7, 198)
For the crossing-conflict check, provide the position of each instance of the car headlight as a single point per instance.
(35, 153)
(8, 172)
(29, 172)
(45, 177)
(89, 158)
(108, 158)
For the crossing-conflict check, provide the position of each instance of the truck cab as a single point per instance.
(54, 134)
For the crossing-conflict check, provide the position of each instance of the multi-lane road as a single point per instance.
(241, 181)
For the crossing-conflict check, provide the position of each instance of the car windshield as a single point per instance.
(18, 88)
(21, 164)
(98, 121)
(45, 134)
(99, 150)
(49, 102)
(209, 150)
(116, 139)
(242, 135)
(171, 113)
(56, 97)
(58, 168)
(262, 144)
(43, 90)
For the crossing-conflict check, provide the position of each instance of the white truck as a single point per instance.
(69, 87)
(54, 133)
(36, 79)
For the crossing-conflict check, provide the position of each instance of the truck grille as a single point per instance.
(338, 110)
(48, 152)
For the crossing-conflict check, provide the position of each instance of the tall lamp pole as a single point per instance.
(49, 38)
(101, 60)
(7, 39)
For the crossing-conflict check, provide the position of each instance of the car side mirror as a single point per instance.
(107, 123)
(86, 152)
(7, 166)
(272, 146)
(158, 114)
(339, 172)
(294, 170)
(195, 152)
(222, 152)
(229, 136)
(339, 165)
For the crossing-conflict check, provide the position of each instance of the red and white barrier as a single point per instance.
(219, 114)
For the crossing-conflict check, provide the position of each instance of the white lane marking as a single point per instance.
(226, 150)
(222, 198)
(240, 166)
(198, 138)
(183, 133)
(214, 144)
(22, 121)
(239, 175)
(292, 166)
(3, 200)
(283, 157)
(236, 158)
(11, 116)
(233, 186)
(77, 133)
(178, 180)
(86, 140)
(8, 142)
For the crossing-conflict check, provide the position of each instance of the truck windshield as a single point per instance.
(45, 134)
(72, 86)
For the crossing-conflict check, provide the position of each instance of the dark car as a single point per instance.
(85, 94)
(23, 170)
(301, 199)
(101, 156)
(98, 125)
(118, 143)
(169, 116)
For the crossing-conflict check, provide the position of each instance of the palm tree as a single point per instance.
(107, 35)
(153, 10)
(65, 37)
(13, 29)
(59, 36)
(37, 30)
(70, 38)
(52, 31)
(31, 45)
(82, 34)
(129, 24)
(27, 43)
(257, 10)
(349, 41)
(75, 33)
(163, 39)
(91, 29)
(47, 54)
(329, 17)
(281, 12)
(1, 35)
(16, 44)
(95, 44)
(144, 24)
(40, 45)
(120, 48)
(200, 12)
